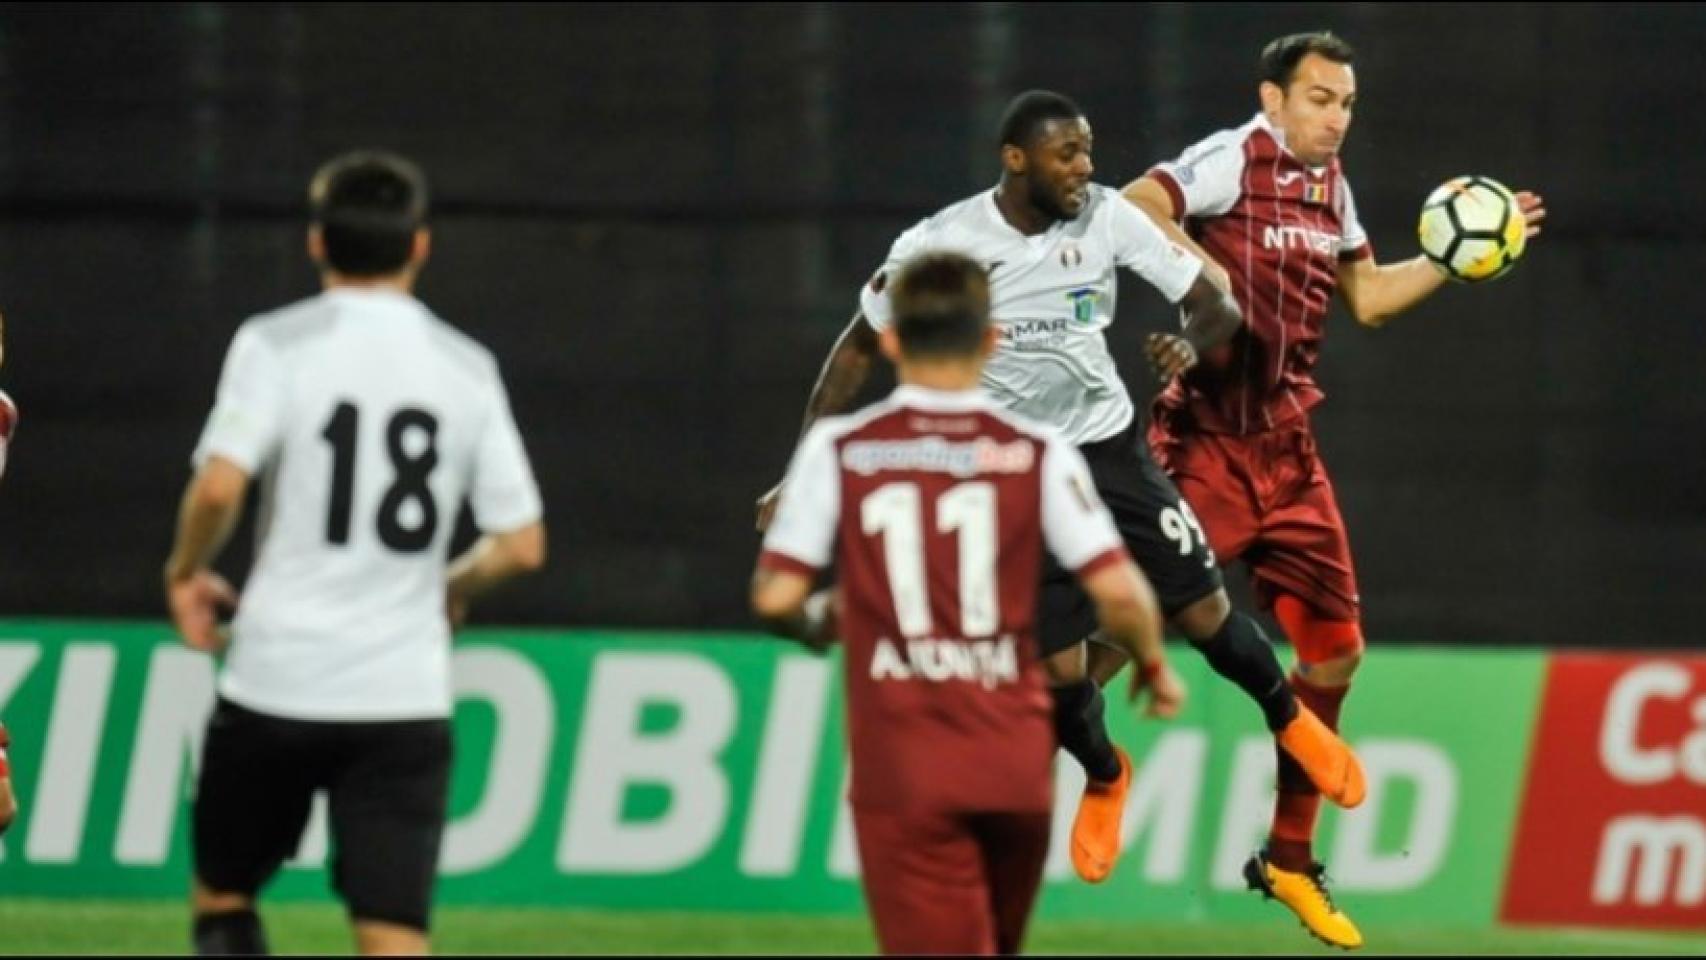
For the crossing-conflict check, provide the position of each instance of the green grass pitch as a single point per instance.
(154, 927)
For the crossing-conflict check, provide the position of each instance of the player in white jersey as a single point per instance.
(369, 421)
(1051, 241)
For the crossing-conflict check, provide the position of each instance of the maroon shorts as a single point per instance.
(1265, 499)
(950, 882)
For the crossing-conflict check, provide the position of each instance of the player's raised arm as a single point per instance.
(1147, 194)
(843, 373)
(1211, 314)
(1375, 293)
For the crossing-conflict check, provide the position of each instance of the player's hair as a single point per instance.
(1281, 57)
(1024, 118)
(941, 306)
(368, 205)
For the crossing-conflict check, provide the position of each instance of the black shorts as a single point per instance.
(387, 786)
(1158, 528)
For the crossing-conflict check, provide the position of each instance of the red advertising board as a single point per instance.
(1612, 830)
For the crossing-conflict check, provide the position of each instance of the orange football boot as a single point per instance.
(1096, 828)
(1328, 761)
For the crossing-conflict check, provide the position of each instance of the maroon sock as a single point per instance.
(1291, 841)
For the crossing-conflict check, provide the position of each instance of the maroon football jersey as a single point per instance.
(936, 508)
(1280, 228)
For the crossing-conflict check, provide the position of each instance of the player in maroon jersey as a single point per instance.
(8, 801)
(1269, 202)
(936, 506)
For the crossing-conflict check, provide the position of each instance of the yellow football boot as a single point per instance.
(1306, 895)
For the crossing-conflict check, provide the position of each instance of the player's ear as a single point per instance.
(422, 247)
(316, 245)
(1272, 97)
(991, 340)
(1012, 159)
(889, 341)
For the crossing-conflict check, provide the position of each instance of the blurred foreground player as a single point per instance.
(936, 505)
(370, 421)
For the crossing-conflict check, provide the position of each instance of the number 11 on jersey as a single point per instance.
(895, 510)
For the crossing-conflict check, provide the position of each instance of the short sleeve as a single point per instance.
(874, 300)
(1207, 178)
(1077, 527)
(1353, 240)
(246, 424)
(1140, 246)
(802, 533)
(504, 494)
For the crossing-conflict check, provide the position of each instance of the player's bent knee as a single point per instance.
(1334, 672)
(1202, 619)
(1066, 666)
(1329, 650)
(1105, 662)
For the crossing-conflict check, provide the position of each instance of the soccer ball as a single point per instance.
(1473, 229)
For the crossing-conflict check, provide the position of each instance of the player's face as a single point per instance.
(1315, 111)
(1058, 168)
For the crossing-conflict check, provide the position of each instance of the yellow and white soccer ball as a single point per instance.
(1473, 229)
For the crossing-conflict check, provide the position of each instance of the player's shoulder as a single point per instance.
(1105, 201)
(459, 347)
(1228, 145)
(832, 430)
(957, 224)
(289, 326)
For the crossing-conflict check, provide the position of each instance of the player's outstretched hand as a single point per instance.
(1533, 210)
(767, 507)
(1166, 691)
(195, 605)
(1170, 354)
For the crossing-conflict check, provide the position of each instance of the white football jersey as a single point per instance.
(1052, 295)
(368, 421)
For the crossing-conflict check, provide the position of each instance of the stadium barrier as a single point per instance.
(705, 772)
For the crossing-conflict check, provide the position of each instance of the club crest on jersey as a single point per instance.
(1315, 193)
(1083, 304)
(1071, 256)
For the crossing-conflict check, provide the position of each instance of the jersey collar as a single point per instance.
(374, 296)
(956, 400)
(1262, 123)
